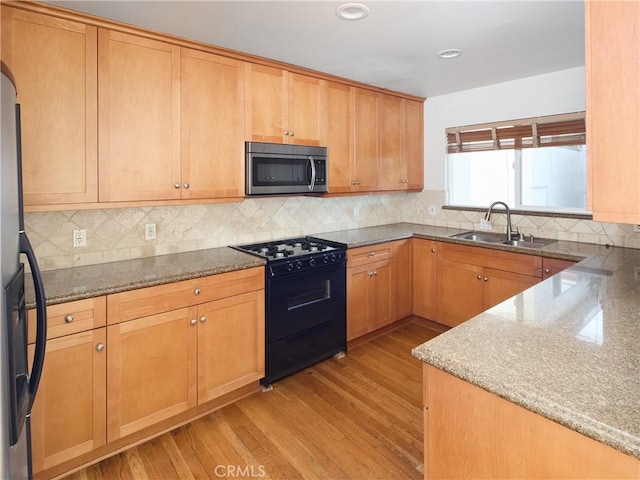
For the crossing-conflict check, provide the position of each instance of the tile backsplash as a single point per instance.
(118, 234)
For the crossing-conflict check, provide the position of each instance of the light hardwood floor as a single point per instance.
(359, 417)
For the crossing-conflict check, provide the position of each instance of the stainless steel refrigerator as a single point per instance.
(18, 385)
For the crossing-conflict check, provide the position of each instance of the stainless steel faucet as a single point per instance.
(510, 233)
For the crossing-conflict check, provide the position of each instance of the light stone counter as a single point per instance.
(70, 284)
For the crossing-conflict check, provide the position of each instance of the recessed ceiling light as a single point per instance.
(449, 53)
(352, 11)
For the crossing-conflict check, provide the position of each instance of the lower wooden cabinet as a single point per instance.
(471, 280)
(403, 273)
(470, 433)
(151, 370)
(69, 414)
(370, 289)
(230, 344)
(165, 352)
(424, 278)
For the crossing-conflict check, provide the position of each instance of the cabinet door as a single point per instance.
(358, 307)
(403, 271)
(230, 344)
(382, 295)
(306, 110)
(460, 291)
(339, 125)
(551, 266)
(54, 63)
(413, 145)
(152, 371)
(68, 417)
(500, 285)
(390, 165)
(212, 123)
(613, 120)
(367, 133)
(265, 104)
(139, 108)
(424, 279)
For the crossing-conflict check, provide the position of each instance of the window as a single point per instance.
(532, 164)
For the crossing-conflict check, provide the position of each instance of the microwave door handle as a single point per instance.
(313, 173)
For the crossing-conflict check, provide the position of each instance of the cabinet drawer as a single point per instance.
(71, 317)
(496, 259)
(162, 298)
(371, 253)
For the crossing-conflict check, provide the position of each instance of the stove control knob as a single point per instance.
(289, 266)
(298, 264)
(312, 262)
(325, 259)
(333, 257)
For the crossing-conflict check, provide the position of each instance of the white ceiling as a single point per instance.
(394, 47)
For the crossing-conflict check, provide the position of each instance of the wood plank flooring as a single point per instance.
(359, 417)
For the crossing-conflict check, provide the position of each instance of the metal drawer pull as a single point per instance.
(372, 254)
(196, 291)
(547, 270)
(100, 347)
(68, 318)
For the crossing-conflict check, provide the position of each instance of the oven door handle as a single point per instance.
(313, 173)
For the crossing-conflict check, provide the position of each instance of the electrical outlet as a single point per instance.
(636, 273)
(636, 228)
(150, 231)
(485, 224)
(356, 211)
(433, 210)
(80, 237)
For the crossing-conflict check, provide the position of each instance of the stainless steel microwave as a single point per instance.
(274, 168)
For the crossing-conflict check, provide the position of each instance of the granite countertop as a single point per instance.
(68, 284)
(566, 348)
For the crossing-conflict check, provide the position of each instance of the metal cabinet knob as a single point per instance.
(193, 321)
(291, 133)
(176, 185)
(372, 254)
(203, 319)
(196, 291)
(375, 273)
(68, 318)
(286, 132)
(433, 250)
(100, 347)
(479, 277)
(547, 270)
(186, 185)
(486, 279)
(371, 274)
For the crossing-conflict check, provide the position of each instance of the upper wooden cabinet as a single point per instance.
(613, 109)
(283, 107)
(375, 141)
(212, 123)
(339, 138)
(54, 65)
(139, 113)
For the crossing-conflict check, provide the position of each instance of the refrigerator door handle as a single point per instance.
(41, 318)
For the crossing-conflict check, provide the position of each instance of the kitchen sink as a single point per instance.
(487, 237)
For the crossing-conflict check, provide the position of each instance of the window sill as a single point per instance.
(535, 213)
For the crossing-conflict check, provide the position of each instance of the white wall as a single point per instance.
(549, 94)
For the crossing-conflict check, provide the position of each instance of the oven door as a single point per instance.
(305, 300)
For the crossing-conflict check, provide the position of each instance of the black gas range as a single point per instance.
(305, 303)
